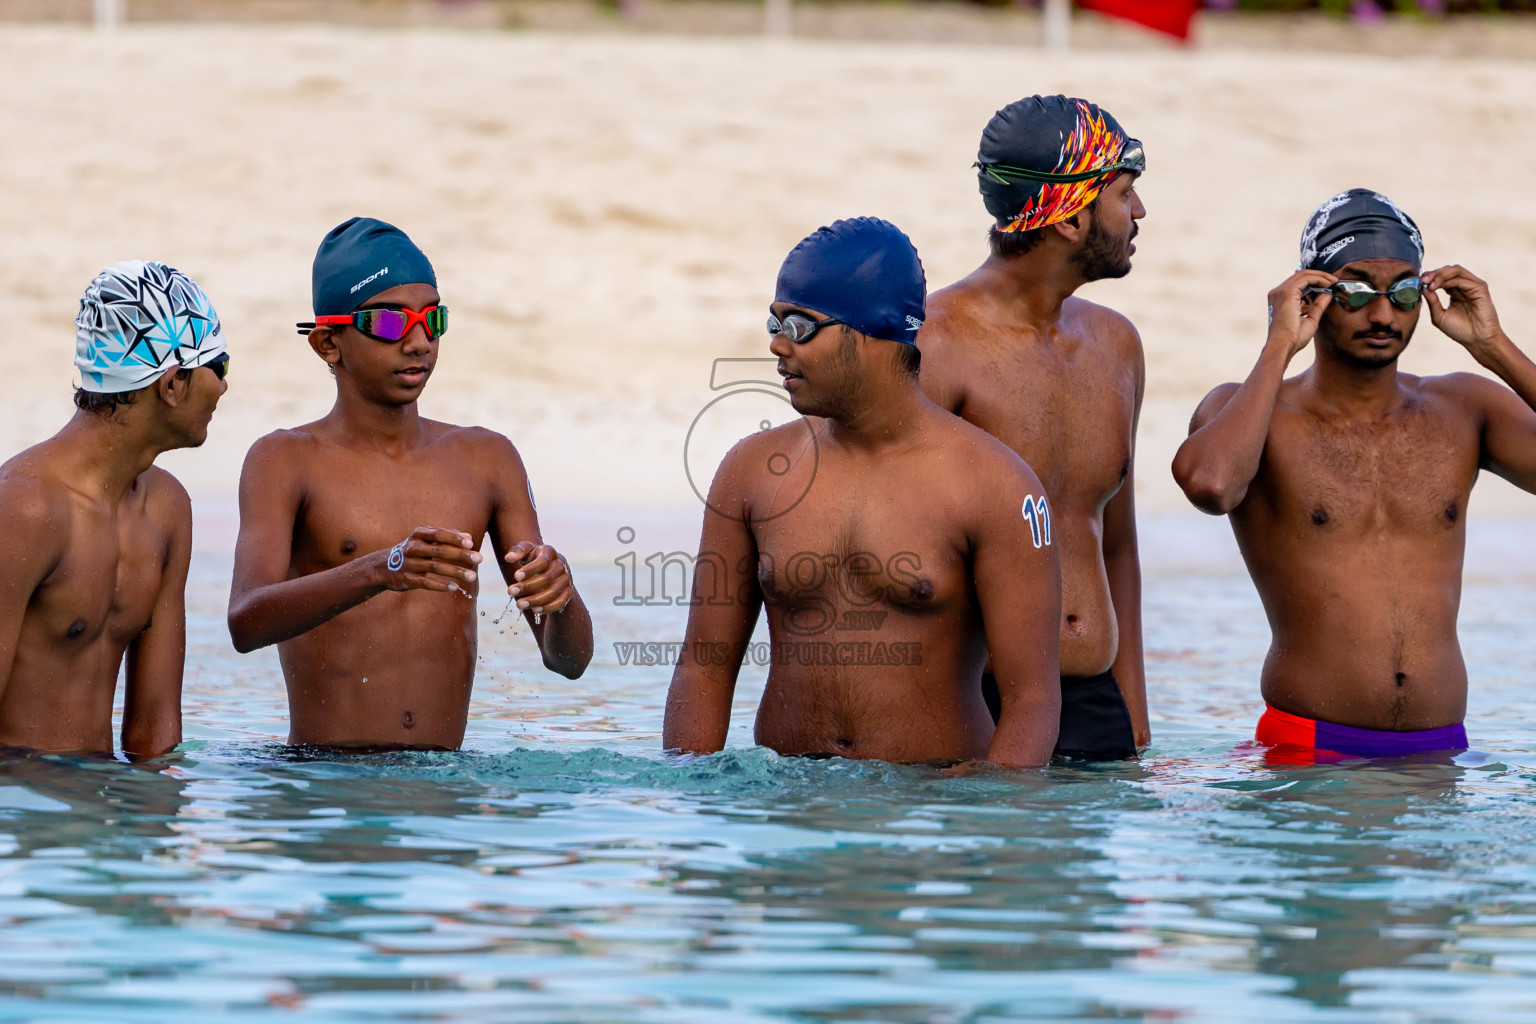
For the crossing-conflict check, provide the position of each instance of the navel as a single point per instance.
(408, 720)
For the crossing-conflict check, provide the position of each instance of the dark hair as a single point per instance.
(909, 358)
(105, 403)
(1008, 244)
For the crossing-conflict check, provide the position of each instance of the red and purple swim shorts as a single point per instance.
(1296, 740)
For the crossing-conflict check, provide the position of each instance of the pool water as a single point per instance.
(560, 869)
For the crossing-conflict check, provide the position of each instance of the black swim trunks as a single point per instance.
(1095, 723)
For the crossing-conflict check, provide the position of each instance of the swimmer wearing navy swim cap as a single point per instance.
(1059, 379)
(94, 537)
(360, 532)
(1347, 484)
(892, 543)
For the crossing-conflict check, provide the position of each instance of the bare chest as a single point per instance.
(352, 506)
(106, 586)
(1410, 473)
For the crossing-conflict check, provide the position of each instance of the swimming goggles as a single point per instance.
(219, 364)
(1404, 294)
(1133, 158)
(386, 324)
(797, 328)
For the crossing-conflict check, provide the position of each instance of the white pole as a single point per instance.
(109, 14)
(1058, 25)
(778, 17)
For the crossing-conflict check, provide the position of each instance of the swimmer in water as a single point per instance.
(892, 543)
(95, 538)
(1347, 484)
(372, 611)
(1059, 380)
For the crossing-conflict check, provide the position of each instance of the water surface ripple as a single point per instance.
(560, 869)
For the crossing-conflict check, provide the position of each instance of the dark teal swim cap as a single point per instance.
(863, 271)
(362, 257)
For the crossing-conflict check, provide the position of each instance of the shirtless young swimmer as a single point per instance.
(374, 614)
(1347, 485)
(95, 539)
(1059, 380)
(879, 512)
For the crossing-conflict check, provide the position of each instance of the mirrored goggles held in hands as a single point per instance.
(1133, 158)
(1404, 294)
(797, 328)
(386, 324)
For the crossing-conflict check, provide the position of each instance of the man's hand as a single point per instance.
(1293, 318)
(543, 581)
(429, 559)
(1469, 319)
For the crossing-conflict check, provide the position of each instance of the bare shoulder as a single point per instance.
(1106, 326)
(951, 316)
(1212, 404)
(1462, 388)
(479, 445)
(165, 497)
(31, 499)
(281, 446)
(984, 460)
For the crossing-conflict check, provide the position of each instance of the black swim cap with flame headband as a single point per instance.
(1054, 134)
(1360, 224)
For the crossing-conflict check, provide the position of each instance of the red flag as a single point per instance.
(1170, 16)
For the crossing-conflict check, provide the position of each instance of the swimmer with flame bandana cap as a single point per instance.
(1013, 350)
(1347, 485)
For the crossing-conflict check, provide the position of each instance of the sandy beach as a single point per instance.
(607, 213)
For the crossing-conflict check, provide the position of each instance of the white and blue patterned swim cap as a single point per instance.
(138, 319)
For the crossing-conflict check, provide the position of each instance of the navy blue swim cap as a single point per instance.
(362, 257)
(864, 272)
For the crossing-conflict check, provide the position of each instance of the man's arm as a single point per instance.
(1018, 582)
(721, 619)
(1509, 420)
(31, 544)
(266, 607)
(1220, 458)
(157, 656)
(1122, 566)
(537, 575)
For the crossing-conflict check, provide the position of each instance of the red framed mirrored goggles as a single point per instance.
(386, 324)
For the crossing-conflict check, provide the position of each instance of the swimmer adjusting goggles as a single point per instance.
(1404, 294)
(385, 324)
(1133, 158)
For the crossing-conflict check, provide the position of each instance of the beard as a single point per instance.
(1103, 256)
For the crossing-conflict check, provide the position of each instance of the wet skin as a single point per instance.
(95, 542)
(1347, 487)
(374, 657)
(909, 534)
(1059, 380)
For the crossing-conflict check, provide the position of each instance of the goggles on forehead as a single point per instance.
(386, 324)
(1133, 159)
(1404, 293)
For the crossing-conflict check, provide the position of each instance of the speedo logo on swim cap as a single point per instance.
(369, 280)
(1335, 247)
(913, 323)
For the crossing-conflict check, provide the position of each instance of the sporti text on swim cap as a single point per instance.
(1029, 143)
(863, 271)
(362, 257)
(138, 319)
(1359, 225)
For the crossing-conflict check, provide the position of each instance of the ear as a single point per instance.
(171, 390)
(323, 341)
(1075, 228)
